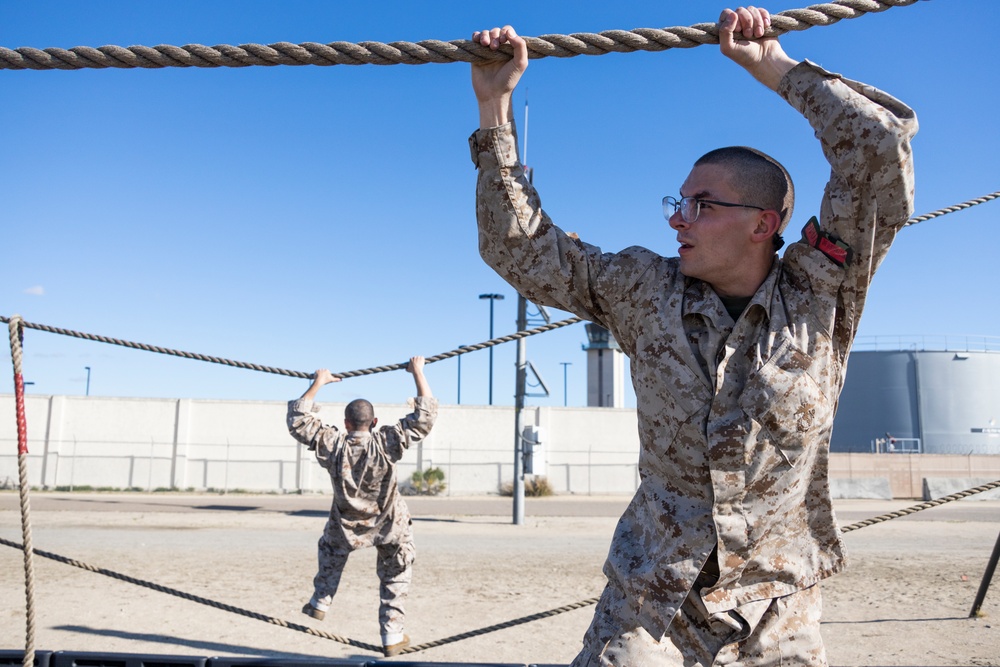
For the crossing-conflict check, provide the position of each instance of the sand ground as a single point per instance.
(905, 600)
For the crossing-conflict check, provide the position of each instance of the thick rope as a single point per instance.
(465, 349)
(454, 638)
(501, 626)
(296, 626)
(921, 507)
(393, 367)
(195, 598)
(419, 53)
(15, 326)
(952, 209)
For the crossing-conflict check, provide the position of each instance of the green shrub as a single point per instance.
(534, 487)
(428, 482)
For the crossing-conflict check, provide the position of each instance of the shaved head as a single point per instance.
(360, 413)
(757, 177)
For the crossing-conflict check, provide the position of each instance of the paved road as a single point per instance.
(848, 511)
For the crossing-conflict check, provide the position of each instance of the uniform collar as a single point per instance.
(701, 299)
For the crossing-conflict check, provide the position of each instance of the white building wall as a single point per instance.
(228, 445)
(184, 444)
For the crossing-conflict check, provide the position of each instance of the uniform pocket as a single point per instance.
(785, 400)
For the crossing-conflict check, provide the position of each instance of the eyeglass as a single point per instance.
(690, 207)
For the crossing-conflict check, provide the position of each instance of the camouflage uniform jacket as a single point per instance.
(367, 508)
(734, 417)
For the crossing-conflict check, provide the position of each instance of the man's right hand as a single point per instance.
(320, 378)
(323, 376)
(741, 39)
(416, 365)
(494, 81)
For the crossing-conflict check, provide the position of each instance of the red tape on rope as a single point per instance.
(22, 422)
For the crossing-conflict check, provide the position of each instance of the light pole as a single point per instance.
(564, 365)
(88, 380)
(492, 298)
(460, 377)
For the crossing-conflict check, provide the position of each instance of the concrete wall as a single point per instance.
(227, 445)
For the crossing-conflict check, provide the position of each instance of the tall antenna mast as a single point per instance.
(521, 372)
(524, 153)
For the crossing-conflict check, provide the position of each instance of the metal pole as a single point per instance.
(88, 380)
(987, 578)
(491, 352)
(492, 298)
(521, 376)
(459, 380)
(520, 386)
(564, 365)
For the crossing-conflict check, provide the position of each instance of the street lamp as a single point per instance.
(88, 380)
(492, 298)
(564, 365)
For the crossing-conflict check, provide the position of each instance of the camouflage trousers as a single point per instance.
(784, 631)
(394, 568)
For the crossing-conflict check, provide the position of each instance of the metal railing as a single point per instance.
(929, 343)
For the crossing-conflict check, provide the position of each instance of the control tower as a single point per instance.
(605, 369)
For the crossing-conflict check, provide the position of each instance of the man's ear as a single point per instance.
(768, 223)
(374, 424)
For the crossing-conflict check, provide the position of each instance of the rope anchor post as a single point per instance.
(16, 327)
(991, 566)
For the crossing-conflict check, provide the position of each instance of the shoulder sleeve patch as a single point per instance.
(839, 252)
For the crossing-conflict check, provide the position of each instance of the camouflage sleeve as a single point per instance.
(521, 243)
(412, 428)
(865, 135)
(306, 427)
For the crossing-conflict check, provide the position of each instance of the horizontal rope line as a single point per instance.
(419, 53)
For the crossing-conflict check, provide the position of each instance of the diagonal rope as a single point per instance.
(297, 626)
(195, 598)
(589, 601)
(501, 626)
(921, 507)
(392, 367)
(16, 329)
(464, 349)
(952, 209)
(419, 53)
(454, 638)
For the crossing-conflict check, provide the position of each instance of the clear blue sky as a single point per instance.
(302, 217)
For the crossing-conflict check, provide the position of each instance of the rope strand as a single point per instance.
(392, 367)
(465, 349)
(952, 209)
(921, 507)
(420, 53)
(16, 329)
(454, 638)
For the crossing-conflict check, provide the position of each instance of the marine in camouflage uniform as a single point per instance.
(716, 560)
(367, 508)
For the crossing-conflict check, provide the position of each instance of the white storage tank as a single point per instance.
(937, 401)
